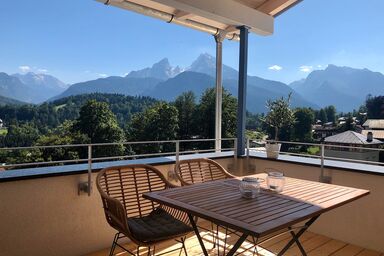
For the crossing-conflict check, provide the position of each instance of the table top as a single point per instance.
(221, 202)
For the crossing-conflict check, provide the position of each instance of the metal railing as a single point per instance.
(321, 155)
(90, 160)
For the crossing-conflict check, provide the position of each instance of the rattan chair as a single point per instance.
(144, 222)
(201, 170)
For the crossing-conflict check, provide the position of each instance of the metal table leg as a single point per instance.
(233, 250)
(296, 236)
(194, 226)
(237, 245)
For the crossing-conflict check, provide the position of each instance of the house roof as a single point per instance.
(374, 123)
(212, 16)
(377, 134)
(351, 137)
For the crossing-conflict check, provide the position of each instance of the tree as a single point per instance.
(186, 108)
(375, 107)
(330, 113)
(279, 115)
(322, 116)
(156, 123)
(98, 122)
(64, 134)
(303, 125)
(205, 116)
(20, 135)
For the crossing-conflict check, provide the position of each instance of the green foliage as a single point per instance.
(63, 135)
(22, 135)
(322, 116)
(314, 150)
(186, 107)
(254, 135)
(205, 115)
(280, 115)
(97, 121)
(254, 121)
(3, 131)
(375, 107)
(49, 115)
(156, 123)
(330, 112)
(302, 128)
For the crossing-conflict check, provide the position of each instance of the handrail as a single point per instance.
(86, 186)
(322, 156)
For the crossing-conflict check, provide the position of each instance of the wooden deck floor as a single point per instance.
(314, 244)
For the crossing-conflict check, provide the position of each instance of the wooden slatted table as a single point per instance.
(221, 202)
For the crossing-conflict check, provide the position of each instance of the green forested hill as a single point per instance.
(49, 115)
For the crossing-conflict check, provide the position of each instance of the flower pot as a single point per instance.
(272, 150)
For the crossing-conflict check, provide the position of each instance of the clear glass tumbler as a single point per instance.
(276, 181)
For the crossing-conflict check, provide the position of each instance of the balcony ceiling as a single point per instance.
(212, 15)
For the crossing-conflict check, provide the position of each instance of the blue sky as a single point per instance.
(78, 40)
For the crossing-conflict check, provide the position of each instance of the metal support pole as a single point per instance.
(219, 38)
(242, 90)
(322, 162)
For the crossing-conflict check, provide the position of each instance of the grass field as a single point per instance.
(313, 150)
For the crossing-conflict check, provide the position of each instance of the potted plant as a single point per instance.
(279, 115)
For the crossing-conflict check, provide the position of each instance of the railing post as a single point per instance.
(89, 169)
(322, 162)
(247, 151)
(177, 152)
(235, 153)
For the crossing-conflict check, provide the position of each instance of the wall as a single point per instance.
(360, 222)
(46, 216)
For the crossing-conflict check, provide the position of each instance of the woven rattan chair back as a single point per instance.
(121, 189)
(127, 184)
(200, 170)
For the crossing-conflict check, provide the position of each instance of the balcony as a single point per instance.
(42, 212)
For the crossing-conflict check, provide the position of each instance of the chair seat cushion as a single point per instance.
(158, 225)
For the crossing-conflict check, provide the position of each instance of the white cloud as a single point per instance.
(125, 74)
(24, 69)
(275, 68)
(102, 75)
(42, 70)
(306, 69)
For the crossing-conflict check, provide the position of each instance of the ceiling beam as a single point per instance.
(226, 11)
(181, 15)
(275, 7)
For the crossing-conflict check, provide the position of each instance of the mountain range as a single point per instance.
(344, 87)
(30, 87)
(162, 81)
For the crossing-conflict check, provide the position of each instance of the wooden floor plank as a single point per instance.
(314, 244)
(350, 249)
(327, 248)
(367, 252)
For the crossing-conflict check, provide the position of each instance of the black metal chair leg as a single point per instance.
(149, 251)
(114, 244)
(183, 246)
